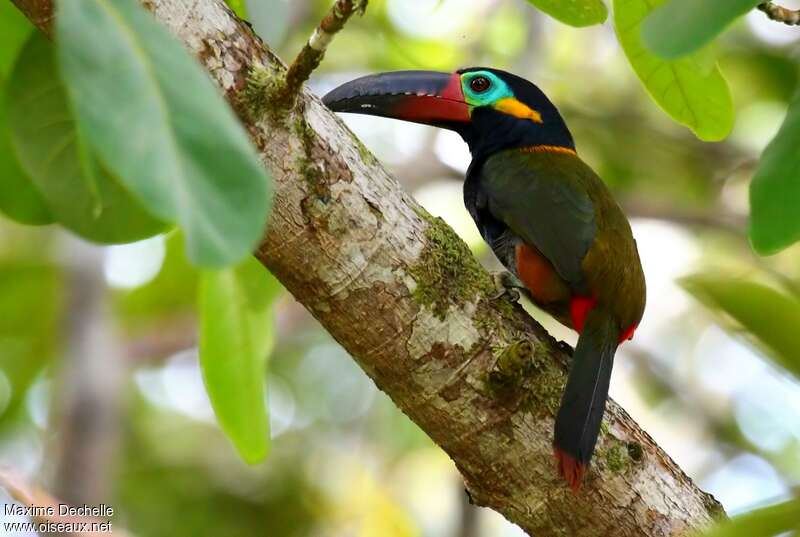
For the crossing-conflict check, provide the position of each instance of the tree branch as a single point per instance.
(39, 12)
(403, 294)
(782, 14)
(87, 403)
(312, 53)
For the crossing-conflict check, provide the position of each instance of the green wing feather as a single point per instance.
(542, 197)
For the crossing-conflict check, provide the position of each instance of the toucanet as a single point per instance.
(550, 220)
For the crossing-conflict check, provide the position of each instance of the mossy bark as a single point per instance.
(400, 291)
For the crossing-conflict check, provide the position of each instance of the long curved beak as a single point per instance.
(420, 96)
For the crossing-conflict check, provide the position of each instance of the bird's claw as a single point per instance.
(507, 285)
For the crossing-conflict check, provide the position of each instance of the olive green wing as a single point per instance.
(542, 198)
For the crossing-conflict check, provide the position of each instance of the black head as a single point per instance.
(491, 109)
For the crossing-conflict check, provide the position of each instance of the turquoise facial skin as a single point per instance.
(497, 89)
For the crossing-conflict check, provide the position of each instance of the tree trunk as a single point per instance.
(403, 294)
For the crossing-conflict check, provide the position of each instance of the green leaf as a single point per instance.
(14, 30)
(30, 299)
(574, 12)
(236, 337)
(78, 190)
(19, 198)
(768, 317)
(692, 93)
(682, 26)
(775, 189)
(239, 7)
(764, 522)
(156, 119)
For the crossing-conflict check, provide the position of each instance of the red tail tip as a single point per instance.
(570, 469)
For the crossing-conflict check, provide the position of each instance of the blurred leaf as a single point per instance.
(78, 191)
(769, 317)
(14, 30)
(505, 32)
(19, 198)
(238, 7)
(758, 74)
(158, 122)
(574, 12)
(682, 26)
(162, 471)
(168, 299)
(775, 189)
(30, 301)
(692, 93)
(400, 53)
(764, 522)
(236, 337)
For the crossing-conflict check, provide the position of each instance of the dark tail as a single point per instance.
(584, 399)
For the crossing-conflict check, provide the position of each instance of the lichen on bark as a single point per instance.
(522, 374)
(615, 456)
(264, 85)
(513, 365)
(447, 274)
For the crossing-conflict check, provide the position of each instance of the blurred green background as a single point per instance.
(101, 397)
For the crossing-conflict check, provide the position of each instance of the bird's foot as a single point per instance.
(507, 285)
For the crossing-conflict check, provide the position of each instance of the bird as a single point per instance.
(547, 216)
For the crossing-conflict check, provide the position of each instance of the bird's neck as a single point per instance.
(491, 132)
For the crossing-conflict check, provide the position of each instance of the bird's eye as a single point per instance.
(479, 84)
